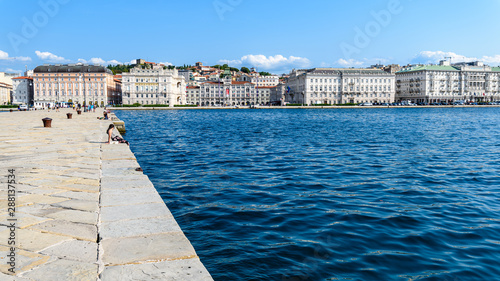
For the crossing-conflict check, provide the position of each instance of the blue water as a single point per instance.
(320, 194)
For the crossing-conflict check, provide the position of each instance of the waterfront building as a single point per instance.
(115, 92)
(227, 92)
(5, 93)
(153, 84)
(339, 86)
(22, 90)
(277, 94)
(6, 86)
(446, 83)
(77, 83)
(260, 81)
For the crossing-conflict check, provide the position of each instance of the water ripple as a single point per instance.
(378, 194)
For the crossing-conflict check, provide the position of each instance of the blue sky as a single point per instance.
(273, 36)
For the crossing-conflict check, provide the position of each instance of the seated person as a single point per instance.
(114, 138)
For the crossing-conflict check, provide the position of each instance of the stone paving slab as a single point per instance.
(79, 231)
(76, 250)
(127, 228)
(157, 247)
(63, 269)
(25, 260)
(125, 212)
(75, 216)
(83, 211)
(190, 269)
(33, 240)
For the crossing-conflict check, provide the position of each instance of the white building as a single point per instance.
(260, 81)
(22, 90)
(340, 86)
(227, 93)
(153, 84)
(446, 83)
(6, 87)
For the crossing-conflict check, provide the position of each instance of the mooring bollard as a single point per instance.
(70, 115)
(79, 112)
(47, 122)
(10, 110)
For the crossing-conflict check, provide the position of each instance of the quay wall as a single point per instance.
(84, 209)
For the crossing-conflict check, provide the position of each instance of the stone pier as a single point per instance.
(83, 211)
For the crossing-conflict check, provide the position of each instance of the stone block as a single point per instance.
(81, 195)
(127, 212)
(75, 216)
(75, 230)
(126, 184)
(187, 269)
(32, 240)
(38, 198)
(129, 197)
(128, 228)
(77, 250)
(25, 260)
(23, 220)
(169, 246)
(64, 270)
(83, 205)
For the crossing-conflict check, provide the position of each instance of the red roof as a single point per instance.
(23, 77)
(192, 87)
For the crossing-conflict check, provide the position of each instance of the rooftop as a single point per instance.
(72, 68)
(23, 77)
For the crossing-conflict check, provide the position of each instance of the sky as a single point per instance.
(274, 36)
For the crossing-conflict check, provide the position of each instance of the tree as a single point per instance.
(234, 69)
(264, 73)
(245, 69)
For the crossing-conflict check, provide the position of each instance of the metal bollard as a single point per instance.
(47, 122)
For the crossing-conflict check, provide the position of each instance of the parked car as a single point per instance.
(23, 107)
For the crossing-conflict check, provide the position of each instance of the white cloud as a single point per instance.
(114, 62)
(494, 60)
(427, 57)
(99, 61)
(360, 63)
(10, 70)
(165, 63)
(349, 63)
(5, 56)
(49, 57)
(269, 62)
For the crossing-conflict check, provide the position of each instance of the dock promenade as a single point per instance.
(75, 208)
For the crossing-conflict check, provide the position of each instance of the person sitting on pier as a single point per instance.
(114, 138)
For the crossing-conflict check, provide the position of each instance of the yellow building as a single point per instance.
(77, 83)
